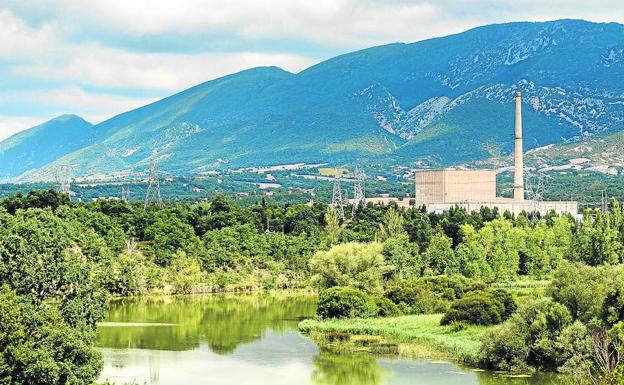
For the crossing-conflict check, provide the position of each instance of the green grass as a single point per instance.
(524, 290)
(414, 335)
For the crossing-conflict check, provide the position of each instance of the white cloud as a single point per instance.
(340, 23)
(19, 41)
(10, 125)
(100, 66)
(92, 106)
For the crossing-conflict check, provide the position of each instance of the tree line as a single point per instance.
(61, 260)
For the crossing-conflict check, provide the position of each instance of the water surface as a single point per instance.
(250, 339)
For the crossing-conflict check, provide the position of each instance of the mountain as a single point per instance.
(38, 146)
(442, 101)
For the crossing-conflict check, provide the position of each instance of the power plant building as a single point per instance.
(440, 190)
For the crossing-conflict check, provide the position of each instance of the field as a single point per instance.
(412, 336)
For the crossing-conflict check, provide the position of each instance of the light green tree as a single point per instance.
(392, 226)
(491, 253)
(357, 265)
(333, 227)
(439, 255)
(596, 241)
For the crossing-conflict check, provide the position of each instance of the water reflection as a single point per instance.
(346, 369)
(251, 339)
(181, 324)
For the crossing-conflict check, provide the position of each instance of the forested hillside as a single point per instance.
(440, 101)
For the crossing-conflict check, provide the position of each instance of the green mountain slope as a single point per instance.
(447, 100)
(43, 144)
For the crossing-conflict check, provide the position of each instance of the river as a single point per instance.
(250, 339)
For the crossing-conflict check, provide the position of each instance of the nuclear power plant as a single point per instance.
(440, 190)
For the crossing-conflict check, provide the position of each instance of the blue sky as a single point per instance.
(98, 58)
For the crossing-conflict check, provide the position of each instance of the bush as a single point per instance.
(345, 302)
(387, 308)
(430, 294)
(532, 337)
(507, 301)
(477, 308)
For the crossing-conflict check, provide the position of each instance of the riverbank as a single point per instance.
(413, 336)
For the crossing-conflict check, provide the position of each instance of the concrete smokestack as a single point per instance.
(518, 156)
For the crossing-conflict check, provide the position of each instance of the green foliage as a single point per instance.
(392, 226)
(506, 299)
(531, 337)
(582, 289)
(345, 302)
(429, 294)
(333, 228)
(387, 308)
(38, 347)
(418, 228)
(402, 257)
(355, 265)
(480, 308)
(185, 273)
(439, 256)
(167, 234)
(598, 239)
(491, 253)
(547, 245)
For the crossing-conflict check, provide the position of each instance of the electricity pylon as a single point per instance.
(338, 197)
(153, 184)
(63, 177)
(359, 199)
(125, 194)
(535, 192)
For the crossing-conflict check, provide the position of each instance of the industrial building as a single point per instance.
(439, 190)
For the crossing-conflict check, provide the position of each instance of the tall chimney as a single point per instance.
(518, 156)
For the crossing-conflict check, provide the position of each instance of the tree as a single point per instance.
(596, 242)
(355, 265)
(546, 247)
(169, 234)
(333, 228)
(37, 346)
(392, 225)
(418, 227)
(491, 253)
(401, 256)
(439, 255)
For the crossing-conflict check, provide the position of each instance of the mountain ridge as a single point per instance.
(444, 100)
(23, 151)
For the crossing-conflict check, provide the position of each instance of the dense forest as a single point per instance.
(61, 261)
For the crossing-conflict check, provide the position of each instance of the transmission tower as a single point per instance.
(338, 197)
(604, 201)
(534, 185)
(125, 194)
(63, 177)
(359, 199)
(153, 184)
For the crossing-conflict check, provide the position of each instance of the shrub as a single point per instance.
(345, 302)
(531, 337)
(505, 299)
(387, 308)
(430, 294)
(478, 308)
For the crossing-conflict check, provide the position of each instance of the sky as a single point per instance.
(99, 58)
